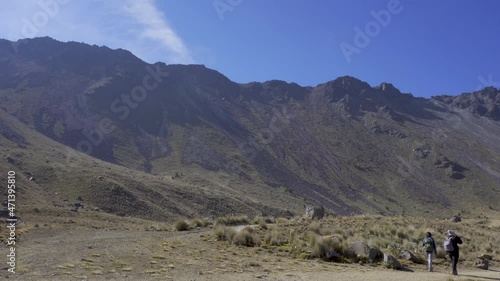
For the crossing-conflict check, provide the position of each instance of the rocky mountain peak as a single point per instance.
(388, 88)
(485, 102)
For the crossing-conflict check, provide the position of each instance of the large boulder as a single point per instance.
(359, 248)
(482, 264)
(362, 250)
(375, 255)
(407, 255)
(315, 212)
(392, 262)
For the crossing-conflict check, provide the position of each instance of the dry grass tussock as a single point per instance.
(183, 225)
(303, 238)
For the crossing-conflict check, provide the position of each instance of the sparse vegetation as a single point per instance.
(232, 220)
(245, 237)
(224, 233)
(275, 238)
(304, 239)
(181, 225)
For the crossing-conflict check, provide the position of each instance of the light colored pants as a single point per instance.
(429, 259)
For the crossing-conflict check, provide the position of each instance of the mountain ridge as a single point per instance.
(343, 144)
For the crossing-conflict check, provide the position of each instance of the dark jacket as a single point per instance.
(455, 241)
(433, 243)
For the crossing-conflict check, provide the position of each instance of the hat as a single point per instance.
(451, 233)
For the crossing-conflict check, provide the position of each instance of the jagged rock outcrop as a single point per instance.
(485, 102)
(315, 212)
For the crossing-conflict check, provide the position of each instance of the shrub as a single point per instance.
(224, 233)
(274, 238)
(206, 222)
(292, 235)
(281, 220)
(314, 227)
(402, 235)
(181, 225)
(196, 223)
(245, 238)
(232, 220)
(319, 246)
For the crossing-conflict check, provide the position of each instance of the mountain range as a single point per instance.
(100, 128)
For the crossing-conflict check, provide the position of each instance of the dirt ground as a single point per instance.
(52, 254)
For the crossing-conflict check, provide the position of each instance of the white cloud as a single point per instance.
(138, 26)
(157, 28)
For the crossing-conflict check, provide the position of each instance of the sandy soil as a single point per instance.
(48, 254)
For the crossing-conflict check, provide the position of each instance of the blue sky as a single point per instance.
(423, 47)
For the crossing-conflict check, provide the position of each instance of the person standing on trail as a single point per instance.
(430, 249)
(450, 246)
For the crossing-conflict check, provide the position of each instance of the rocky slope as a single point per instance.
(343, 144)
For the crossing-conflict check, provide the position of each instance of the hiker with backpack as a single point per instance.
(450, 246)
(430, 249)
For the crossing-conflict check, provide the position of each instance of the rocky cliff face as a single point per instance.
(481, 103)
(343, 144)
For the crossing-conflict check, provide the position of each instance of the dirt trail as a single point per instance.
(48, 254)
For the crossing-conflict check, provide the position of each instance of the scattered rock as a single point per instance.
(375, 255)
(485, 257)
(315, 212)
(407, 255)
(392, 262)
(388, 131)
(362, 250)
(453, 169)
(421, 152)
(482, 264)
(332, 254)
(456, 175)
(10, 159)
